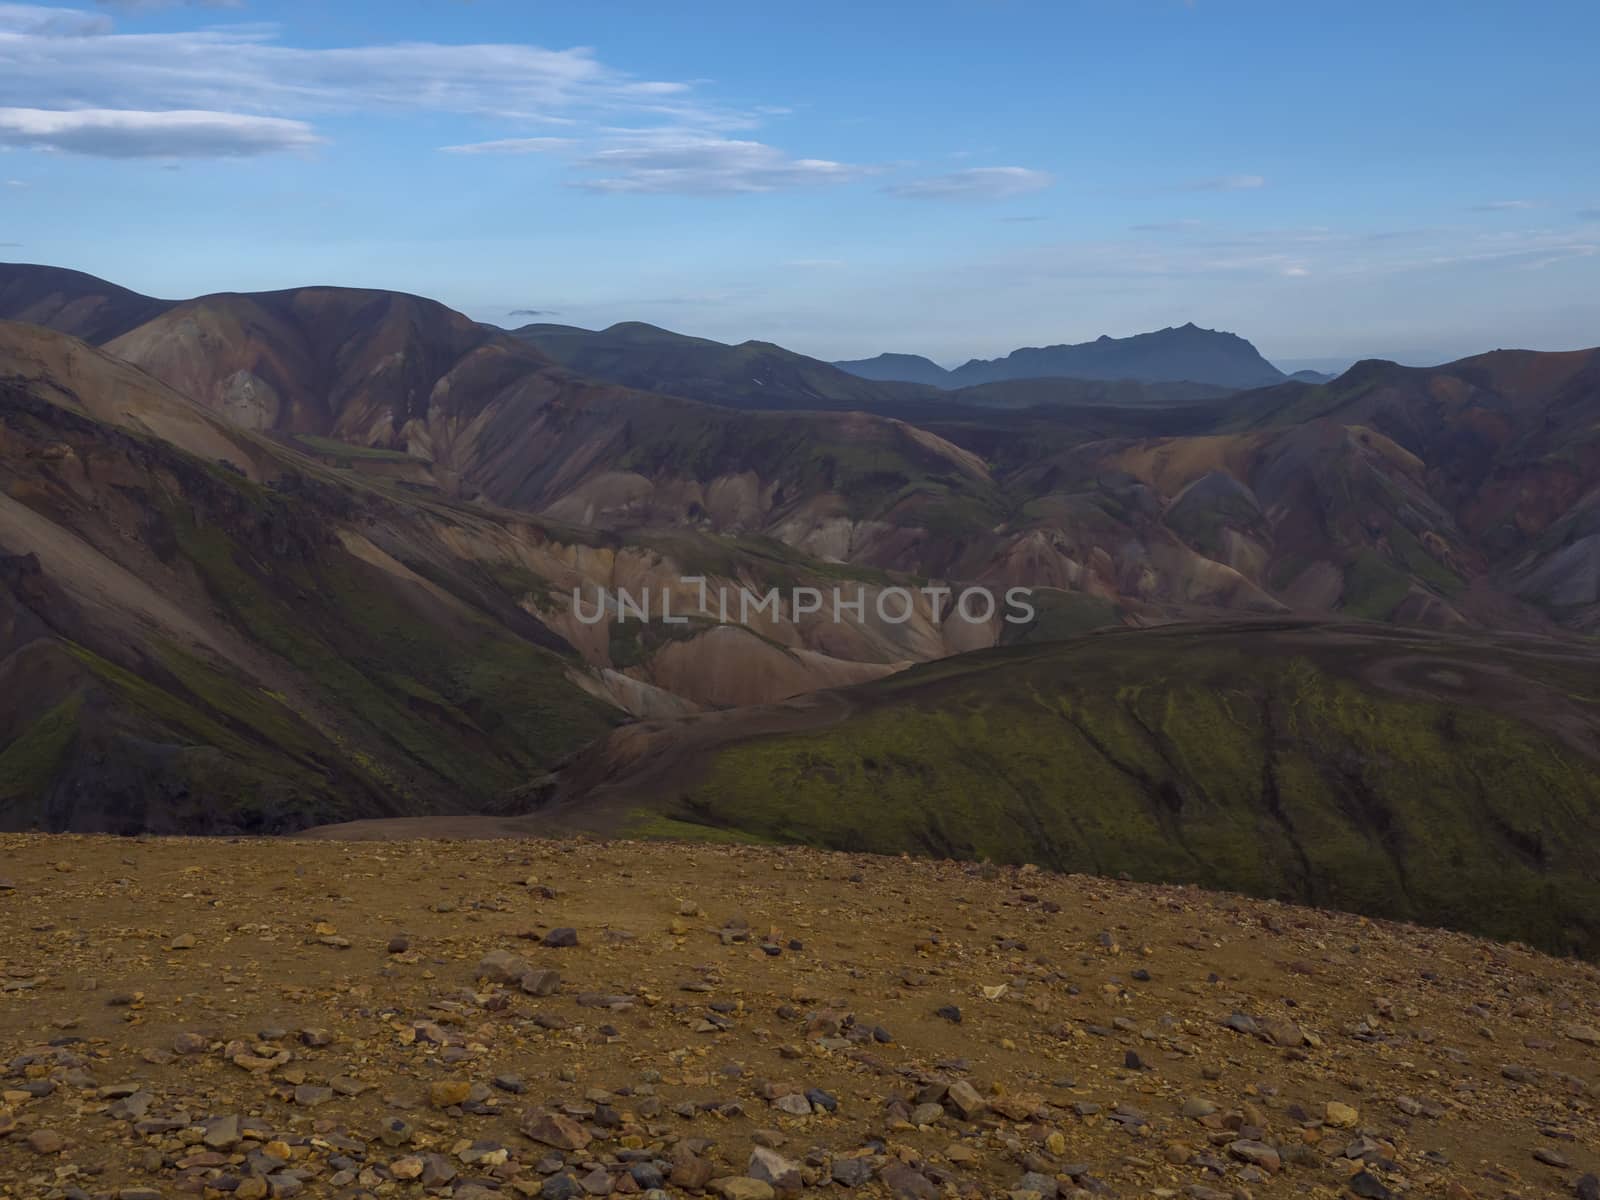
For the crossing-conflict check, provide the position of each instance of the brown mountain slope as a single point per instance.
(478, 412)
(357, 365)
(72, 302)
(255, 638)
(194, 645)
(1461, 494)
(489, 416)
(1509, 446)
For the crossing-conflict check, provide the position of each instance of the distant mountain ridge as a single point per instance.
(749, 375)
(756, 376)
(898, 368)
(1464, 494)
(1184, 353)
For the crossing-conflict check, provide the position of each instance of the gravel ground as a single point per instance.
(571, 1019)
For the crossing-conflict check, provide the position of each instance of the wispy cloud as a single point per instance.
(975, 183)
(233, 90)
(35, 20)
(1183, 225)
(690, 162)
(65, 59)
(527, 145)
(1225, 183)
(121, 133)
(534, 312)
(1505, 206)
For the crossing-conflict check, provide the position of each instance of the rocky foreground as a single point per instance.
(524, 1018)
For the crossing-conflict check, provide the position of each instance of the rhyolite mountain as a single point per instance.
(207, 629)
(273, 559)
(1184, 353)
(1461, 494)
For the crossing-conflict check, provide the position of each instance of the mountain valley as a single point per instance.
(323, 556)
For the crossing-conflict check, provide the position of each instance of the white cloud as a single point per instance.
(675, 161)
(690, 162)
(1226, 183)
(975, 183)
(115, 133)
(68, 58)
(1505, 206)
(35, 20)
(529, 145)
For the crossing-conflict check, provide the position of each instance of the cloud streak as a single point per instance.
(37, 21)
(238, 90)
(120, 133)
(69, 58)
(687, 162)
(975, 184)
(528, 145)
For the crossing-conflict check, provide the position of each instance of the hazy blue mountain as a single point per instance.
(1166, 355)
(903, 368)
(1184, 354)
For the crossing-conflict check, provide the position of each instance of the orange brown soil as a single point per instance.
(152, 991)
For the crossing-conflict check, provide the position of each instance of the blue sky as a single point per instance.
(950, 177)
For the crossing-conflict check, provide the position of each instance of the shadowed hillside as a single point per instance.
(1443, 780)
(209, 629)
(751, 375)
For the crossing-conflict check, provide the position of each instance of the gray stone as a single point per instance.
(501, 966)
(772, 1167)
(851, 1172)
